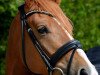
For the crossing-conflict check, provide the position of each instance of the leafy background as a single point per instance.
(85, 15)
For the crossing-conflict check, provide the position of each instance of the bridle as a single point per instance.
(50, 62)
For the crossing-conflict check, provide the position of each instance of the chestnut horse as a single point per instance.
(41, 43)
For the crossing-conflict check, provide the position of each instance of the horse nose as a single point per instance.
(83, 72)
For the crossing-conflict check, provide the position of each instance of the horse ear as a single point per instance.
(57, 1)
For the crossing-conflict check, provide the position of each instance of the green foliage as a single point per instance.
(85, 15)
(8, 9)
(2, 66)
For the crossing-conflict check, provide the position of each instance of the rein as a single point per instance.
(50, 62)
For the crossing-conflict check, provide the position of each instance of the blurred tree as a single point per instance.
(8, 10)
(85, 15)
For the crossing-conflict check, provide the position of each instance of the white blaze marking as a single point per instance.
(91, 69)
(71, 38)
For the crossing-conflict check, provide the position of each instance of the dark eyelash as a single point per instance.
(43, 30)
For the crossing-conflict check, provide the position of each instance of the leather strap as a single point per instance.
(71, 46)
(74, 44)
(23, 16)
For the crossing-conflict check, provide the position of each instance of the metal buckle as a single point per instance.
(56, 68)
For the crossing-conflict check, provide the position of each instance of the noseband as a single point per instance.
(50, 62)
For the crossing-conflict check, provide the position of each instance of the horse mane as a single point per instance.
(53, 7)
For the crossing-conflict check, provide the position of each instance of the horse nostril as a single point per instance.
(83, 72)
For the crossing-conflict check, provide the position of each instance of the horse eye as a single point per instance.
(43, 30)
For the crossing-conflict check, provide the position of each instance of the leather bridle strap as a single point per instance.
(23, 23)
(72, 45)
(36, 43)
(50, 62)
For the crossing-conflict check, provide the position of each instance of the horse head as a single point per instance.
(48, 42)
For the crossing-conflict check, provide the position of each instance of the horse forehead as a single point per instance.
(39, 18)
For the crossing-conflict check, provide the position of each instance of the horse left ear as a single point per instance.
(57, 1)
